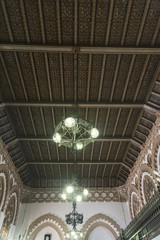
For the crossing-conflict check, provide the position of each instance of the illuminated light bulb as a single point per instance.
(64, 197)
(79, 146)
(67, 235)
(69, 122)
(85, 192)
(94, 133)
(73, 233)
(79, 198)
(69, 189)
(81, 234)
(75, 237)
(57, 138)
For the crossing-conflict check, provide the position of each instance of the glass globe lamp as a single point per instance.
(79, 146)
(64, 197)
(79, 198)
(57, 138)
(67, 235)
(69, 189)
(85, 192)
(74, 234)
(94, 133)
(69, 122)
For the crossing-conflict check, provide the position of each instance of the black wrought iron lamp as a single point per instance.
(74, 218)
(74, 133)
(75, 194)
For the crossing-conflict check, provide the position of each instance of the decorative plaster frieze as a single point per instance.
(54, 195)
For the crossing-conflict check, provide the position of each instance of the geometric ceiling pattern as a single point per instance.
(101, 57)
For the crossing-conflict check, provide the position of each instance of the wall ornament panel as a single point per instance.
(148, 187)
(135, 204)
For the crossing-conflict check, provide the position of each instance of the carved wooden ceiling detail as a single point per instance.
(100, 55)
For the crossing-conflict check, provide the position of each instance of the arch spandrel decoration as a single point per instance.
(4, 175)
(44, 221)
(136, 205)
(148, 187)
(147, 177)
(156, 154)
(10, 213)
(100, 220)
(2, 190)
(14, 192)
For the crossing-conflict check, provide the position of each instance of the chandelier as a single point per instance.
(74, 133)
(75, 194)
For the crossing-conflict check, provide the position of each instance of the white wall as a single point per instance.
(156, 238)
(101, 233)
(47, 230)
(119, 212)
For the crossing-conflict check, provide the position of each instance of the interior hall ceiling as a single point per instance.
(101, 56)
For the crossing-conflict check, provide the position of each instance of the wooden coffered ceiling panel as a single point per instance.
(101, 56)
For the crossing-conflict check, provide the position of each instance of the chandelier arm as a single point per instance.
(82, 135)
(85, 123)
(67, 131)
(65, 144)
(64, 135)
(88, 141)
(59, 126)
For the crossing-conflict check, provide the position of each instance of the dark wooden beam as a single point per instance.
(72, 163)
(71, 105)
(112, 139)
(79, 49)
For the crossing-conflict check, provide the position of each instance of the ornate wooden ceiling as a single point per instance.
(101, 56)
